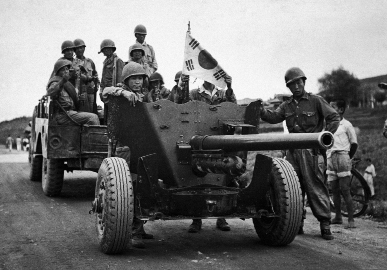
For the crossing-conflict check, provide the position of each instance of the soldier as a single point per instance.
(89, 79)
(212, 95)
(150, 57)
(67, 48)
(112, 66)
(133, 76)
(305, 113)
(136, 54)
(60, 89)
(157, 90)
(180, 93)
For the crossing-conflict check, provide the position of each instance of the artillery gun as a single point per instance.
(183, 161)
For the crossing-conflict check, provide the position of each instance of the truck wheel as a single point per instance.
(35, 167)
(52, 176)
(285, 199)
(114, 205)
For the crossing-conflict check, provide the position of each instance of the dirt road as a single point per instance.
(38, 232)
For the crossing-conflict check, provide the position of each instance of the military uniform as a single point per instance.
(109, 78)
(67, 98)
(216, 97)
(307, 116)
(149, 58)
(92, 83)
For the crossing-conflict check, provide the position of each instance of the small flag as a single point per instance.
(199, 63)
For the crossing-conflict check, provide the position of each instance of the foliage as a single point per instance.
(340, 84)
(14, 127)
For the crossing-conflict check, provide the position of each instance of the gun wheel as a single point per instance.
(52, 176)
(285, 199)
(114, 205)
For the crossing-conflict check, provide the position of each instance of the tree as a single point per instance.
(340, 84)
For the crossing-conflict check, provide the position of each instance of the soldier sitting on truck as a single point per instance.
(63, 92)
(133, 76)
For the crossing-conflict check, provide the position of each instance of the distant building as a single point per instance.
(369, 87)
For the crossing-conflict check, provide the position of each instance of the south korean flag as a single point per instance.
(200, 64)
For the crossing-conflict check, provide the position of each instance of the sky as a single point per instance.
(254, 41)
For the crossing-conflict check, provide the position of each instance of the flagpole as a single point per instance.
(189, 27)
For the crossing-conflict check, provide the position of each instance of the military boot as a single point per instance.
(196, 226)
(222, 224)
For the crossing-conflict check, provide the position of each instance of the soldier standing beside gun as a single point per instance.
(112, 68)
(89, 78)
(305, 113)
(211, 95)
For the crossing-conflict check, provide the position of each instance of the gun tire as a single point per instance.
(52, 176)
(285, 198)
(35, 167)
(114, 205)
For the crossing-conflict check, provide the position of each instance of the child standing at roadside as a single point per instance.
(369, 175)
(339, 164)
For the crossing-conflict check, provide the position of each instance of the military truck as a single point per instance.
(57, 148)
(183, 161)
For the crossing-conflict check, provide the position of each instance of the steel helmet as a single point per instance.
(136, 46)
(132, 69)
(178, 75)
(156, 77)
(78, 43)
(293, 74)
(67, 44)
(61, 63)
(140, 29)
(107, 43)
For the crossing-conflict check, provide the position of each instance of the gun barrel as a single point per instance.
(267, 141)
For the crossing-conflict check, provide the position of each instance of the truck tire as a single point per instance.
(52, 176)
(284, 197)
(114, 205)
(35, 167)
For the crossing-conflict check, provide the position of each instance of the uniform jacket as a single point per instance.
(152, 96)
(65, 95)
(218, 97)
(107, 71)
(116, 91)
(150, 56)
(91, 71)
(179, 94)
(305, 116)
(144, 63)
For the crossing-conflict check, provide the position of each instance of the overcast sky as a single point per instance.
(254, 41)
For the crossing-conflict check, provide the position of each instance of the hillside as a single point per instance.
(15, 127)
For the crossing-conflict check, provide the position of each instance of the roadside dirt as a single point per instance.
(39, 232)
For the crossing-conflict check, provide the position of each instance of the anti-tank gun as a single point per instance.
(182, 161)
